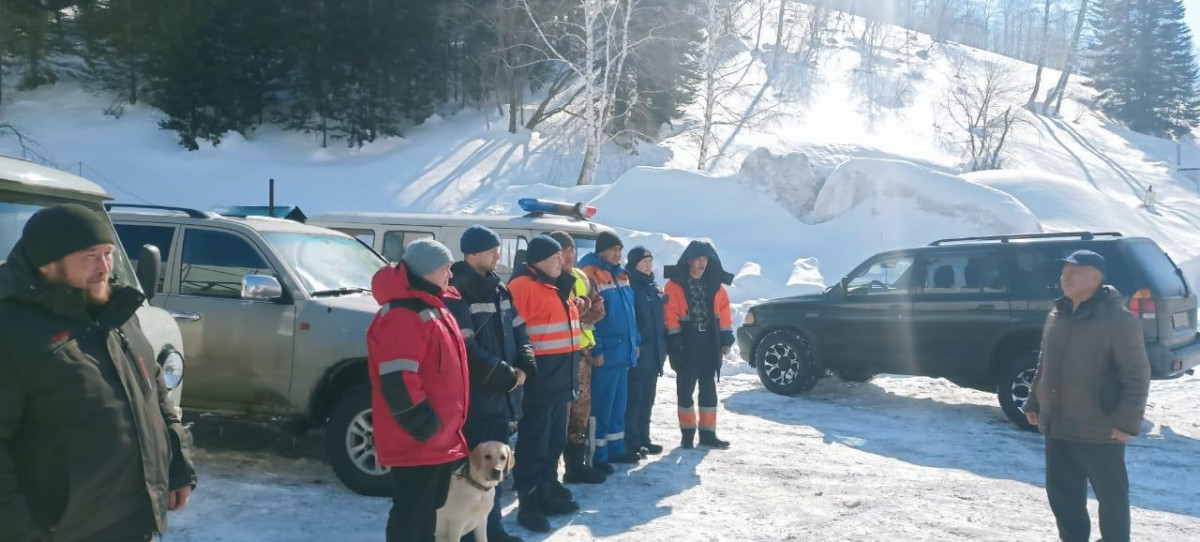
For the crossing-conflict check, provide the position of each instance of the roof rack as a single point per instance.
(1081, 235)
(191, 213)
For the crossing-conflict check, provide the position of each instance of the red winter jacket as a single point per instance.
(418, 370)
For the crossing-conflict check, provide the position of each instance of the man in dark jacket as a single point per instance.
(643, 378)
(542, 294)
(84, 413)
(1088, 399)
(499, 356)
(699, 335)
(417, 364)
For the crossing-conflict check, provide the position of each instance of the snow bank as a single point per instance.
(881, 183)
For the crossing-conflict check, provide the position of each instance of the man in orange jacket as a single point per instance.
(541, 293)
(699, 335)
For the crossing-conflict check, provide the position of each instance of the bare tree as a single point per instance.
(1056, 94)
(601, 35)
(1037, 80)
(988, 10)
(944, 12)
(23, 141)
(984, 108)
(780, 33)
(875, 36)
(717, 73)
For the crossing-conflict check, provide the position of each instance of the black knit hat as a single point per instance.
(541, 248)
(564, 239)
(478, 239)
(59, 230)
(637, 254)
(607, 240)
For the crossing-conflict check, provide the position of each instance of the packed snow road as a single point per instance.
(893, 459)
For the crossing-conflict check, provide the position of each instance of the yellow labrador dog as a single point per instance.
(472, 491)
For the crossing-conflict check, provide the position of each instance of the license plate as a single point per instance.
(1181, 320)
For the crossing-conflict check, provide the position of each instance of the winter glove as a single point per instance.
(527, 362)
(420, 421)
(501, 379)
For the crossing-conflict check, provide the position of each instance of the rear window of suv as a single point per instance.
(1158, 269)
(1038, 271)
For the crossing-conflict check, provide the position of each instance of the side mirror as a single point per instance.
(261, 288)
(845, 286)
(149, 270)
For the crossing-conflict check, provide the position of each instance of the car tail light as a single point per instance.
(1142, 304)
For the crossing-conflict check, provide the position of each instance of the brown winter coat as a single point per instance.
(1093, 375)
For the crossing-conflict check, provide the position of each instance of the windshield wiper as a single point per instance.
(340, 291)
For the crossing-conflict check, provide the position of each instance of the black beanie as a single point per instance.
(59, 230)
(478, 239)
(564, 239)
(607, 240)
(637, 254)
(541, 248)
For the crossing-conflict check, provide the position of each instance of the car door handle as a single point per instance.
(186, 316)
(986, 308)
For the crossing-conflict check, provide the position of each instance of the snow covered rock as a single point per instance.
(880, 185)
(787, 178)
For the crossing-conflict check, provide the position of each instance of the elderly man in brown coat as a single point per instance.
(1088, 399)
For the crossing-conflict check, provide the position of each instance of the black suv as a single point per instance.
(969, 310)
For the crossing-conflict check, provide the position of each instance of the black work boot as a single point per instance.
(630, 458)
(529, 515)
(561, 492)
(689, 438)
(652, 449)
(554, 505)
(709, 439)
(579, 472)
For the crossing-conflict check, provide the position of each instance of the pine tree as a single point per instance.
(119, 37)
(1144, 65)
(1179, 103)
(31, 42)
(664, 68)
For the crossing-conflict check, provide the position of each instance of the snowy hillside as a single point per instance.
(820, 193)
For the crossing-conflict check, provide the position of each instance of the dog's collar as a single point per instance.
(465, 474)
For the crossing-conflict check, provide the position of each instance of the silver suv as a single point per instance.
(274, 316)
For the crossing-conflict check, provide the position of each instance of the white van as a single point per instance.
(26, 187)
(389, 233)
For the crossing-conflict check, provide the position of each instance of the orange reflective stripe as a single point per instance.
(687, 418)
(708, 418)
(552, 328)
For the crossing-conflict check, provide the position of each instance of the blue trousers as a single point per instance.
(610, 398)
(642, 387)
(541, 439)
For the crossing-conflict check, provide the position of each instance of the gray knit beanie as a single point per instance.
(425, 256)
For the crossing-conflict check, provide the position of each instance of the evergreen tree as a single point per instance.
(664, 68)
(1179, 102)
(1144, 65)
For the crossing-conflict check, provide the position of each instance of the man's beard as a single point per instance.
(99, 294)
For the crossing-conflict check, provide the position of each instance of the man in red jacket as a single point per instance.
(419, 386)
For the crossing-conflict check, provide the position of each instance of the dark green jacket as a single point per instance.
(1093, 375)
(89, 441)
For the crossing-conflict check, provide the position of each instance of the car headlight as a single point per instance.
(171, 362)
(749, 320)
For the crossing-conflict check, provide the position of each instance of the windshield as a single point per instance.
(325, 262)
(15, 210)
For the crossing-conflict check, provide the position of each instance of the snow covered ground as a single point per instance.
(895, 458)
